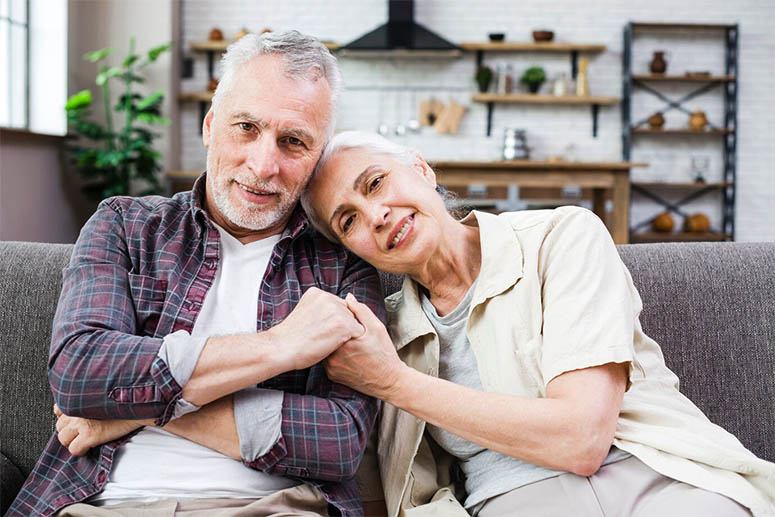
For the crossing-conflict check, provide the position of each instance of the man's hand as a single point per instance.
(81, 434)
(318, 325)
(367, 363)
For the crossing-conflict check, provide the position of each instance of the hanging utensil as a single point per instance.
(413, 124)
(400, 127)
(382, 128)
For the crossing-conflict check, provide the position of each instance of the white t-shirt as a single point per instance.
(155, 464)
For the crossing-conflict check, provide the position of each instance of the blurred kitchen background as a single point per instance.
(656, 115)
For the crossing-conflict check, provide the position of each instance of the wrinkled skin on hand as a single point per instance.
(81, 434)
(367, 363)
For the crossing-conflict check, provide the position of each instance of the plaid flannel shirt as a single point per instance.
(139, 271)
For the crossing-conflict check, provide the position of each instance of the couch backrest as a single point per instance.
(710, 306)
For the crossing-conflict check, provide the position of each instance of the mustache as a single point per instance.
(260, 185)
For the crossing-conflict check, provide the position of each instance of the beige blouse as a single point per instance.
(554, 296)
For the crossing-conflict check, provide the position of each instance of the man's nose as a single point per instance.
(264, 156)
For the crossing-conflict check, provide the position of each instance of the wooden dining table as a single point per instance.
(599, 177)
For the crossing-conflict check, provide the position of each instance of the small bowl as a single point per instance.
(542, 36)
(496, 36)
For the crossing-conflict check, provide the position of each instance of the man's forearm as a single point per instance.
(229, 364)
(213, 426)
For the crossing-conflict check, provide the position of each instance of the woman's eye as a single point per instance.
(347, 224)
(375, 183)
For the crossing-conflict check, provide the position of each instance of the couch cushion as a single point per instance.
(711, 307)
(30, 281)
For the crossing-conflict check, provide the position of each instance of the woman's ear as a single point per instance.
(424, 170)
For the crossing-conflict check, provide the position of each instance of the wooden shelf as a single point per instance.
(536, 164)
(528, 98)
(644, 237)
(681, 26)
(669, 185)
(684, 78)
(220, 46)
(509, 46)
(680, 131)
(196, 96)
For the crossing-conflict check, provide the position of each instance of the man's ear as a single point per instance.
(206, 127)
(424, 170)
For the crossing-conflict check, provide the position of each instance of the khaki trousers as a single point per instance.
(624, 488)
(302, 500)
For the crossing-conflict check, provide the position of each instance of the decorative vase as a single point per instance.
(658, 64)
(582, 79)
(656, 121)
(533, 87)
(698, 120)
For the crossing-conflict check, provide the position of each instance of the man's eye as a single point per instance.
(347, 224)
(294, 141)
(246, 126)
(375, 183)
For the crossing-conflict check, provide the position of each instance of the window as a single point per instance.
(14, 70)
(33, 65)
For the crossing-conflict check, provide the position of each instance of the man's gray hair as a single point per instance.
(303, 56)
(371, 143)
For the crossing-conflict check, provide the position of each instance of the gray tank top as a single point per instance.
(487, 473)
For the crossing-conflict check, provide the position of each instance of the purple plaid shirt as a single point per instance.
(139, 271)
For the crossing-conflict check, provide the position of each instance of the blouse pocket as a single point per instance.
(148, 295)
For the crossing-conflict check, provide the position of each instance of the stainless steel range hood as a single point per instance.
(401, 36)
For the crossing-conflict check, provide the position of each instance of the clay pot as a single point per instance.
(698, 120)
(658, 64)
(656, 121)
(663, 223)
(698, 223)
(212, 84)
(216, 34)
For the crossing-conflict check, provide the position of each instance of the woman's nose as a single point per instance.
(379, 216)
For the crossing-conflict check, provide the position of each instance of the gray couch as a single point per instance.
(710, 306)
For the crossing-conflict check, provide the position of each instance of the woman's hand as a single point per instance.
(81, 434)
(368, 363)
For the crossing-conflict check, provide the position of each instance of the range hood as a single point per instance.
(401, 36)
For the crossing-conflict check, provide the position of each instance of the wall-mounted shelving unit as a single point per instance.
(573, 49)
(728, 131)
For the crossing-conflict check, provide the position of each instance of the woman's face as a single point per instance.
(386, 212)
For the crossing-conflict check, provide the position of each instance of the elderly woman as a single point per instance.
(514, 351)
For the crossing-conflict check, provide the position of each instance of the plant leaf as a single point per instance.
(79, 100)
(103, 76)
(155, 52)
(130, 60)
(152, 100)
(98, 55)
(150, 118)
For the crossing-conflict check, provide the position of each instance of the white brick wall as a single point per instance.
(550, 129)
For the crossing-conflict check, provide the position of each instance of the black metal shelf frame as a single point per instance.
(731, 35)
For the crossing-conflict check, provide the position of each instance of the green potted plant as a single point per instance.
(533, 78)
(483, 78)
(118, 159)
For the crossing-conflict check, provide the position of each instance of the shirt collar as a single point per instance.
(502, 267)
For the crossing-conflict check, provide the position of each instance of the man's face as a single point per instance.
(263, 140)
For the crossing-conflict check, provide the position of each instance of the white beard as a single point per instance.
(245, 215)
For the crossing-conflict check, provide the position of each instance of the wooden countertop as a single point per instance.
(537, 164)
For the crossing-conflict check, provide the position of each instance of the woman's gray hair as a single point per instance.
(303, 56)
(371, 143)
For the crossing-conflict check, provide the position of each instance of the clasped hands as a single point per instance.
(344, 334)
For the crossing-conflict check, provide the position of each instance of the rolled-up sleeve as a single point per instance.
(589, 303)
(99, 367)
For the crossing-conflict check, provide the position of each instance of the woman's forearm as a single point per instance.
(571, 429)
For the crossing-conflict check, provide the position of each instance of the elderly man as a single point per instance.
(190, 329)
